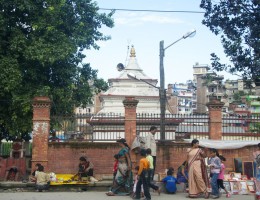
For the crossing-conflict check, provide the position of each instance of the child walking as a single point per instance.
(135, 183)
(142, 177)
(215, 166)
(221, 176)
(151, 171)
(115, 167)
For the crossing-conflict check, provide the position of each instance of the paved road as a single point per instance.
(95, 196)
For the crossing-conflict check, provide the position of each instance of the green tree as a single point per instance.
(237, 22)
(237, 96)
(41, 53)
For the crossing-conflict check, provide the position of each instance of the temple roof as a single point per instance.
(145, 91)
(133, 68)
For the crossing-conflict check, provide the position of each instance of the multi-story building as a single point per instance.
(207, 83)
(199, 94)
(235, 86)
(183, 95)
(90, 108)
(254, 104)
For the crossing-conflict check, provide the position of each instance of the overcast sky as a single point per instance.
(145, 30)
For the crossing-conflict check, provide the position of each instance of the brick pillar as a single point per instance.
(215, 118)
(41, 129)
(130, 104)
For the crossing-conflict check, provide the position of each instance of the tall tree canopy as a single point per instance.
(237, 22)
(41, 53)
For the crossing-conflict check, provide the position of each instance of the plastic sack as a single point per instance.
(53, 177)
(138, 143)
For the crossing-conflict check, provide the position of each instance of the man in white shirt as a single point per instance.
(151, 144)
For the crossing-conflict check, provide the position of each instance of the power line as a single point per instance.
(159, 11)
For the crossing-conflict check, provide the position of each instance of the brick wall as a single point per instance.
(64, 157)
(6, 164)
(176, 153)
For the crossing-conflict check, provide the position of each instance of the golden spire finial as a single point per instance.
(132, 52)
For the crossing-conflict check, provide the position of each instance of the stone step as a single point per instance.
(107, 177)
(30, 186)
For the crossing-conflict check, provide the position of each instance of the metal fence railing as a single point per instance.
(89, 127)
(177, 127)
(110, 127)
(6, 147)
(241, 127)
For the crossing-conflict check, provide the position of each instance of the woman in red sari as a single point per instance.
(198, 177)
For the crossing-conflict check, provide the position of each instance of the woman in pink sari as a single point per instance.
(198, 177)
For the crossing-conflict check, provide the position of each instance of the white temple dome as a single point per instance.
(123, 85)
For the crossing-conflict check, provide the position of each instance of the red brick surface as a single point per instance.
(6, 164)
(215, 119)
(41, 129)
(64, 157)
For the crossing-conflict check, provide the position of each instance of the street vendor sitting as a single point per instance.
(42, 180)
(85, 168)
(32, 177)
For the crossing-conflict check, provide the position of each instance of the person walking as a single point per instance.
(115, 167)
(124, 176)
(135, 183)
(221, 176)
(151, 144)
(151, 172)
(198, 177)
(215, 165)
(142, 177)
